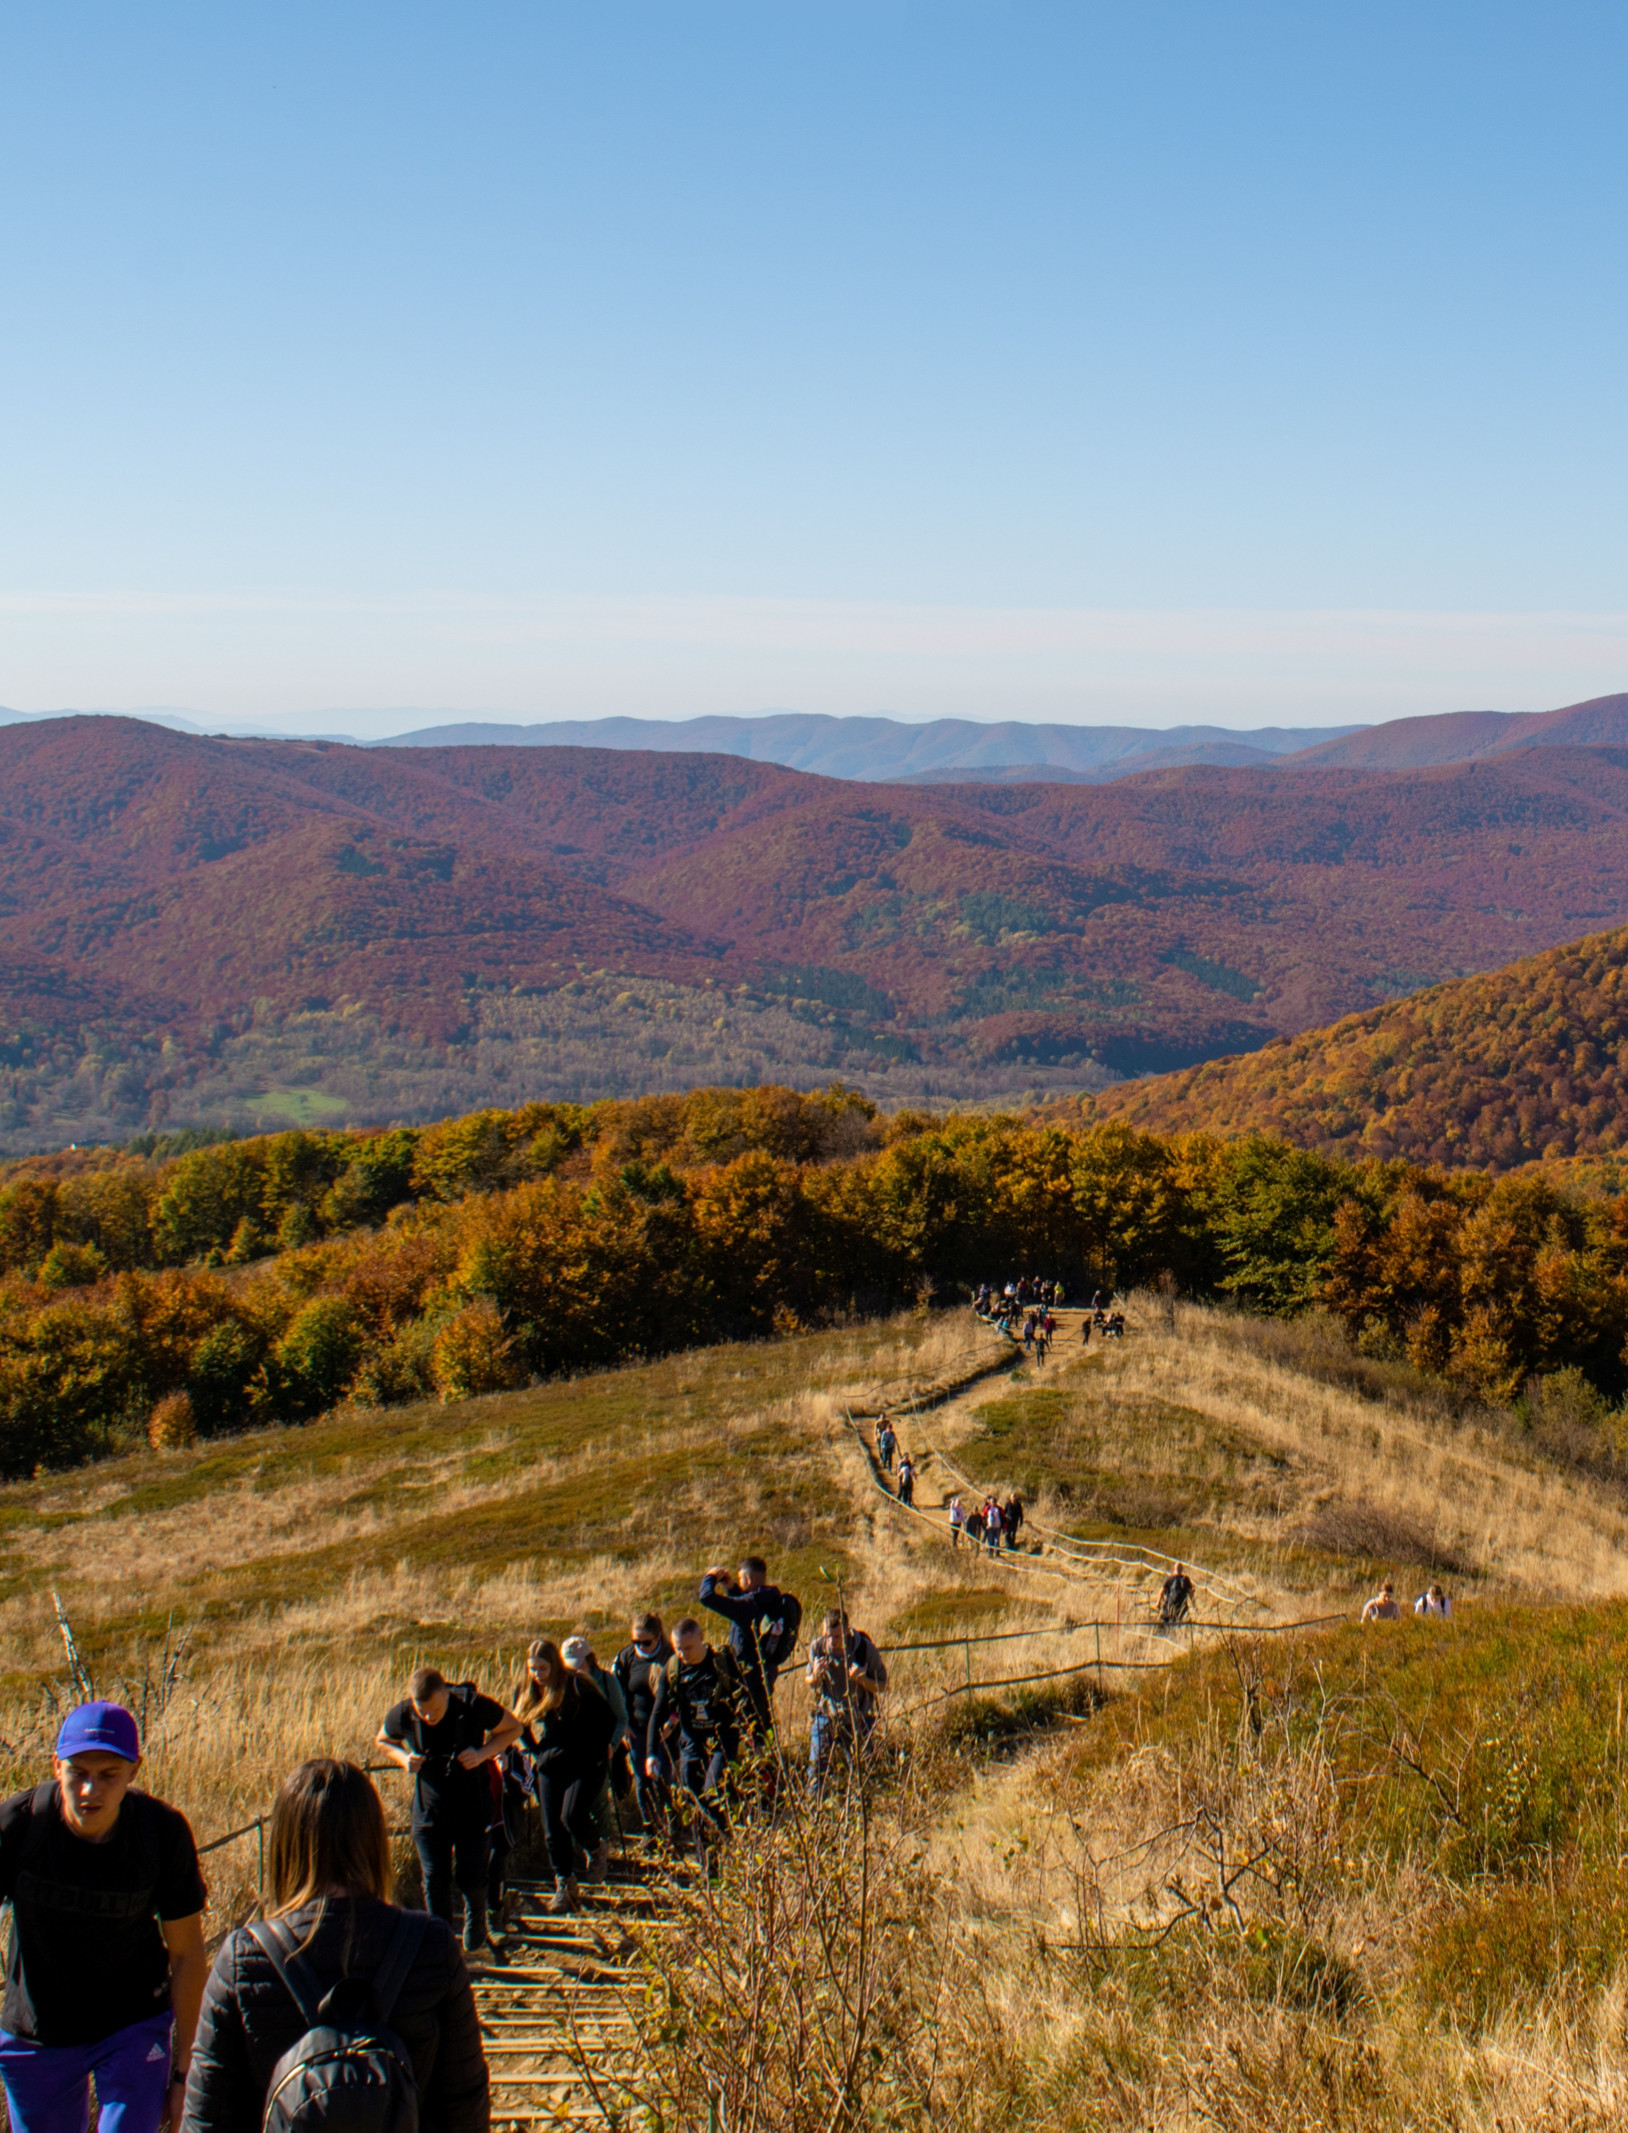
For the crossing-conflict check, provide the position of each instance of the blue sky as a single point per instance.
(1062, 360)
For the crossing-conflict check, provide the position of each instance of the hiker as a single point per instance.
(351, 1954)
(695, 1723)
(569, 1727)
(445, 1735)
(975, 1526)
(992, 1526)
(578, 1654)
(1115, 1328)
(886, 1442)
(1028, 1330)
(1042, 1340)
(907, 1480)
(1433, 1601)
(1382, 1607)
(635, 1667)
(763, 1625)
(1012, 1518)
(1175, 1597)
(107, 1949)
(847, 1675)
(958, 1519)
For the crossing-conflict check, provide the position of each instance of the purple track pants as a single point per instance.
(48, 2085)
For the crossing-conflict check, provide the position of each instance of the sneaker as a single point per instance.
(599, 1864)
(564, 1899)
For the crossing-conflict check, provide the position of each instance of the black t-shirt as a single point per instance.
(87, 1956)
(444, 1787)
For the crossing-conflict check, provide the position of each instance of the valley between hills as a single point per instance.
(227, 934)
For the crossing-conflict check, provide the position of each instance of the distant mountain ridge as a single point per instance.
(883, 750)
(1524, 1064)
(963, 751)
(894, 751)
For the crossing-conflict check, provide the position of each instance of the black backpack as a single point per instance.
(778, 1641)
(350, 2072)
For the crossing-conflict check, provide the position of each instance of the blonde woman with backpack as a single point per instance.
(337, 2013)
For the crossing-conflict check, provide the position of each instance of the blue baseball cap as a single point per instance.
(105, 1728)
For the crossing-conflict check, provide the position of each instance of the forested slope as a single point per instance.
(1525, 1064)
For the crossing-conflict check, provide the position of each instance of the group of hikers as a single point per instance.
(665, 1742)
(992, 1522)
(336, 2001)
(110, 1981)
(1386, 1607)
(1025, 1310)
(887, 1450)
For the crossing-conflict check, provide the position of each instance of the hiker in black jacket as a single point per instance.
(695, 1723)
(329, 1875)
(446, 1735)
(763, 1624)
(635, 1666)
(570, 1727)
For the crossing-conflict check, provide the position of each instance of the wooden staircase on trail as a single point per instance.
(561, 2043)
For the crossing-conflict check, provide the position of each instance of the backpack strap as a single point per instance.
(41, 1807)
(399, 1958)
(295, 1972)
(30, 1835)
(301, 1981)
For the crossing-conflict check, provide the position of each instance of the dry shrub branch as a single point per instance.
(804, 1991)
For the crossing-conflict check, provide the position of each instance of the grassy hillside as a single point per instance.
(151, 1300)
(1337, 1877)
(1525, 1064)
(201, 930)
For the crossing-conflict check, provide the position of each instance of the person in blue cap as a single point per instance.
(107, 1962)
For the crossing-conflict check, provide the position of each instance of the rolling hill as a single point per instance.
(1470, 736)
(1526, 1064)
(196, 930)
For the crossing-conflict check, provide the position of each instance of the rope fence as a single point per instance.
(1222, 1588)
(1069, 1629)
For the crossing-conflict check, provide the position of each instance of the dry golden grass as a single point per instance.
(314, 1567)
(1523, 1522)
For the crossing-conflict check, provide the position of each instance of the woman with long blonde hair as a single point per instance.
(569, 1729)
(330, 1918)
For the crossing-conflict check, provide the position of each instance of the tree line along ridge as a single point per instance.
(268, 1280)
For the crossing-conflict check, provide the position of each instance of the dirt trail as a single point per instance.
(936, 1423)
